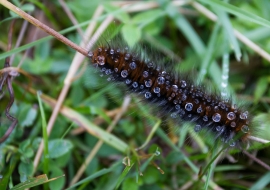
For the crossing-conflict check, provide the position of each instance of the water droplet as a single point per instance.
(145, 74)
(116, 60)
(174, 115)
(141, 86)
(183, 83)
(224, 85)
(132, 65)
(127, 56)
(244, 115)
(222, 105)
(124, 73)
(156, 90)
(177, 107)
(157, 153)
(135, 84)
(101, 60)
(189, 106)
(184, 97)
(160, 80)
(205, 118)
(197, 128)
(189, 115)
(111, 51)
(100, 49)
(109, 79)
(103, 69)
(233, 124)
(231, 116)
(90, 54)
(199, 110)
(232, 143)
(219, 128)
(128, 81)
(216, 108)
(150, 64)
(182, 113)
(216, 117)
(148, 83)
(196, 101)
(116, 70)
(245, 128)
(174, 88)
(167, 83)
(147, 95)
(108, 71)
(117, 50)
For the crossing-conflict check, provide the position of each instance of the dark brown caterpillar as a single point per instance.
(173, 94)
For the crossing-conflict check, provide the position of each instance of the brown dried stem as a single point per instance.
(7, 79)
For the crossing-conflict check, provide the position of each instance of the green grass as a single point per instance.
(91, 104)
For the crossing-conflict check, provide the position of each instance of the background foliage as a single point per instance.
(188, 39)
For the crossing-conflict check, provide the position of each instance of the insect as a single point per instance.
(173, 94)
(168, 91)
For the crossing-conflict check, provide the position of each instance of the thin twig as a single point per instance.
(257, 160)
(72, 71)
(42, 26)
(7, 79)
(19, 40)
(71, 16)
(260, 140)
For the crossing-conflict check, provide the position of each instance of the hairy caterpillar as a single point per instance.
(173, 94)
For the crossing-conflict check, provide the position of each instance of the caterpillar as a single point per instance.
(174, 94)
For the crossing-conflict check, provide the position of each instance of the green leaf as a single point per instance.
(237, 12)
(57, 184)
(130, 184)
(147, 17)
(260, 89)
(43, 50)
(28, 7)
(262, 182)
(25, 170)
(123, 175)
(30, 117)
(151, 175)
(116, 11)
(131, 34)
(174, 157)
(40, 65)
(24, 145)
(7, 172)
(128, 128)
(95, 175)
(225, 21)
(59, 147)
(32, 182)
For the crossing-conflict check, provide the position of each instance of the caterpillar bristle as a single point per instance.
(175, 94)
